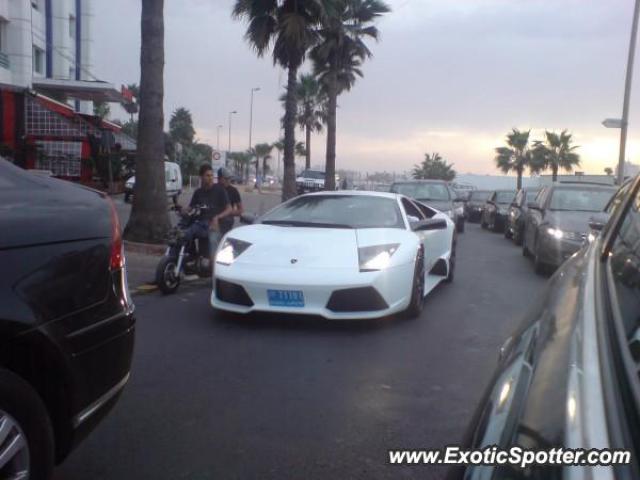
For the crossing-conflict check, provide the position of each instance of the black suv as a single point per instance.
(436, 194)
(474, 204)
(514, 229)
(568, 377)
(496, 210)
(66, 318)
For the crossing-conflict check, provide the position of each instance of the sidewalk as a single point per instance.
(143, 259)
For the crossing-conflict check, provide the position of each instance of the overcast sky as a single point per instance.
(447, 76)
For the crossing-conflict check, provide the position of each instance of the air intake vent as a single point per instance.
(366, 299)
(232, 293)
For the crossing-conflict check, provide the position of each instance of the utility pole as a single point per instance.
(218, 142)
(229, 146)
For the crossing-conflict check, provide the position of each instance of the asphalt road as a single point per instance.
(278, 398)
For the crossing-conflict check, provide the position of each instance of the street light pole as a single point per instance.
(253, 90)
(230, 113)
(218, 142)
(627, 93)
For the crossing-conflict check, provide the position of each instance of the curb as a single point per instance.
(144, 248)
(147, 288)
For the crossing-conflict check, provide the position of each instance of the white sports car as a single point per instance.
(341, 255)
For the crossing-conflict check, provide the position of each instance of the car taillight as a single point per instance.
(116, 261)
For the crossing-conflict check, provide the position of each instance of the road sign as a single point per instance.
(612, 123)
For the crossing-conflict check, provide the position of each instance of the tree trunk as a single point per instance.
(308, 147)
(264, 168)
(330, 167)
(149, 220)
(519, 182)
(289, 161)
(554, 171)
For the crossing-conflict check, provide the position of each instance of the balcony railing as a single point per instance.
(4, 60)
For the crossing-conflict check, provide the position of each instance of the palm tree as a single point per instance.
(555, 153)
(149, 220)
(338, 57)
(262, 151)
(516, 156)
(608, 171)
(311, 109)
(434, 167)
(291, 27)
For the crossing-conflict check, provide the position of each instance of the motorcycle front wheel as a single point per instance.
(166, 278)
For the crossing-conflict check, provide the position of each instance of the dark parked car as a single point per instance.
(66, 318)
(436, 194)
(557, 223)
(514, 228)
(474, 205)
(496, 210)
(568, 377)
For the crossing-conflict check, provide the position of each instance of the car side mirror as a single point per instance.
(247, 219)
(533, 206)
(429, 224)
(597, 222)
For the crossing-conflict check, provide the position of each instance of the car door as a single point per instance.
(434, 241)
(534, 218)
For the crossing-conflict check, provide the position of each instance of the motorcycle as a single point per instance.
(182, 256)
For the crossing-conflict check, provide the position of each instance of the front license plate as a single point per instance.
(285, 298)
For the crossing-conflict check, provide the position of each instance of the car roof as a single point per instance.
(583, 186)
(408, 182)
(359, 193)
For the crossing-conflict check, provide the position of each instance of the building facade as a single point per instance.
(44, 40)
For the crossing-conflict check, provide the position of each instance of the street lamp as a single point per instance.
(623, 123)
(230, 113)
(218, 134)
(253, 90)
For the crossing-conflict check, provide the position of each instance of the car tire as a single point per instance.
(517, 236)
(417, 290)
(452, 264)
(165, 280)
(538, 266)
(525, 250)
(507, 233)
(26, 415)
(483, 225)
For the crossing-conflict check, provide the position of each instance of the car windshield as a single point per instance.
(530, 195)
(423, 191)
(505, 197)
(313, 174)
(479, 196)
(337, 211)
(580, 200)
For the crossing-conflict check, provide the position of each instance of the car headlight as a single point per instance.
(377, 257)
(555, 233)
(230, 250)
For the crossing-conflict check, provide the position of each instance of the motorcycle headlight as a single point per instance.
(376, 257)
(230, 250)
(555, 233)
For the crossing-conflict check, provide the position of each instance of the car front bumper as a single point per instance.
(393, 285)
(555, 252)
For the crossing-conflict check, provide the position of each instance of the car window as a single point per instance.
(580, 199)
(504, 197)
(618, 198)
(529, 196)
(625, 266)
(479, 196)
(353, 211)
(423, 191)
(411, 209)
(428, 212)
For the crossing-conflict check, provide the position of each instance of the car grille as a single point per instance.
(232, 293)
(575, 236)
(365, 299)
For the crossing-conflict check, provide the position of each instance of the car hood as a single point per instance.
(304, 247)
(570, 221)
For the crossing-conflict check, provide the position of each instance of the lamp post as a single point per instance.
(229, 146)
(218, 135)
(623, 123)
(253, 90)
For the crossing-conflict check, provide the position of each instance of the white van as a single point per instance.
(173, 178)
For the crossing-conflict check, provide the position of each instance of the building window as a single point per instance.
(72, 73)
(72, 26)
(38, 60)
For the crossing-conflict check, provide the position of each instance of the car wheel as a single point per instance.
(452, 264)
(417, 290)
(525, 249)
(539, 267)
(507, 233)
(517, 236)
(495, 226)
(482, 222)
(26, 434)
(166, 280)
